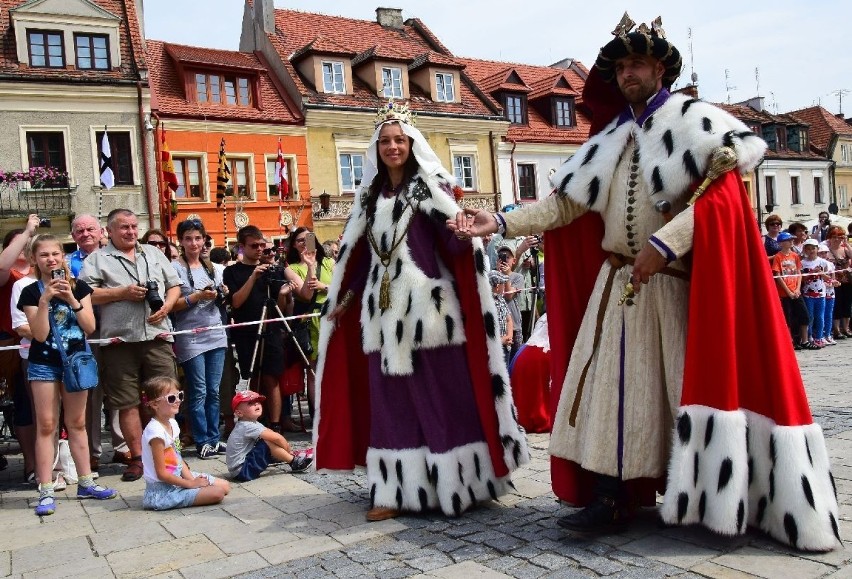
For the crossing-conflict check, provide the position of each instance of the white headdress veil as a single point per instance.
(430, 164)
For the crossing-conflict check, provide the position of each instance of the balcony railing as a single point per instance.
(20, 200)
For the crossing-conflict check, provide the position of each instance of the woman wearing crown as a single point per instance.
(424, 402)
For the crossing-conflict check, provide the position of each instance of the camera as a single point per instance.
(152, 296)
(221, 297)
(44, 221)
(57, 274)
(274, 274)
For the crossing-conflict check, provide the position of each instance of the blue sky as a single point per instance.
(801, 50)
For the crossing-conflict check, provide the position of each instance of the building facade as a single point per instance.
(831, 137)
(792, 180)
(546, 125)
(341, 70)
(202, 98)
(70, 70)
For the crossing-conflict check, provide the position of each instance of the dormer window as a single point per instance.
(445, 90)
(781, 138)
(92, 51)
(392, 82)
(333, 78)
(46, 48)
(223, 88)
(516, 109)
(563, 113)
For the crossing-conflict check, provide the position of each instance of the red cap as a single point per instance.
(245, 396)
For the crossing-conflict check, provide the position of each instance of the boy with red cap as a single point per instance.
(251, 446)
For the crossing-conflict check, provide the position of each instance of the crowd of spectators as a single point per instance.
(813, 277)
(143, 290)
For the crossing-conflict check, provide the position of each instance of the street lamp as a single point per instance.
(325, 202)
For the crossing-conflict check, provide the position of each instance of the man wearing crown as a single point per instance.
(672, 371)
(411, 382)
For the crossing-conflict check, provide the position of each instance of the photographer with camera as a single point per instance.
(256, 288)
(202, 355)
(136, 288)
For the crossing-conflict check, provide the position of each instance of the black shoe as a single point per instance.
(300, 463)
(601, 516)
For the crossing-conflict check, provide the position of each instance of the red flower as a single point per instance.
(458, 193)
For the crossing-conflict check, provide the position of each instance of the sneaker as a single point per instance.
(46, 505)
(221, 448)
(206, 452)
(96, 492)
(300, 463)
(830, 341)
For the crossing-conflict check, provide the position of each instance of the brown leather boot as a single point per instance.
(382, 513)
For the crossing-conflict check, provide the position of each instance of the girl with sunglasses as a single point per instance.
(58, 308)
(169, 484)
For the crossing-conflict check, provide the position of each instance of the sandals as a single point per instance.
(810, 346)
(134, 470)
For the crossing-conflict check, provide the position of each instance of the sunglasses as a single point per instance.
(773, 224)
(171, 398)
(268, 251)
(158, 243)
(258, 245)
(208, 244)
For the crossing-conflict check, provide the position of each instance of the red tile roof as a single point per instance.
(378, 52)
(751, 116)
(540, 82)
(296, 29)
(321, 45)
(168, 87)
(433, 58)
(130, 37)
(824, 126)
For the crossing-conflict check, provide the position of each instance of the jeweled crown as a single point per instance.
(394, 111)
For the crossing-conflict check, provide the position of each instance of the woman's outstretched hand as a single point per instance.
(472, 223)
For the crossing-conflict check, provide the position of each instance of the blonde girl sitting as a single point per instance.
(169, 484)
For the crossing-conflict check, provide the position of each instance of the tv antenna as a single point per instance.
(757, 79)
(774, 103)
(840, 93)
(693, 76)
(728, 86)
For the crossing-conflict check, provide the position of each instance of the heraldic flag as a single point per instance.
(168, 202)
(223, 177)
(107, 176)
(281, 175)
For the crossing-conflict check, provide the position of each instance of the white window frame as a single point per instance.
(842, 197)
(204, 176)
(465, 175)
(351, 154)
(445, 88)
(337, 69)
(392, 83)
(251, 184)
(534, 180)
(797, 190)
(292, 173)
(66, 137)
(96, 151)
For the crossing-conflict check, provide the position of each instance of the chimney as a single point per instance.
(264, 15)
(389, 17)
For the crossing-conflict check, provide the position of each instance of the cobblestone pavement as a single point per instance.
(313, 525)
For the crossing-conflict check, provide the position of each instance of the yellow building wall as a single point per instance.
(843, 177)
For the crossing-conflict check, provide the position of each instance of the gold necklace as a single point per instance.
(385, 256)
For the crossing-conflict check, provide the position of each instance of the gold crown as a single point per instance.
(395, 112)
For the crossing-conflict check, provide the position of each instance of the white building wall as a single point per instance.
(782, 171)
(545, 158)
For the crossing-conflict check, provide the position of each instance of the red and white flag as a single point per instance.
(281, 174)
